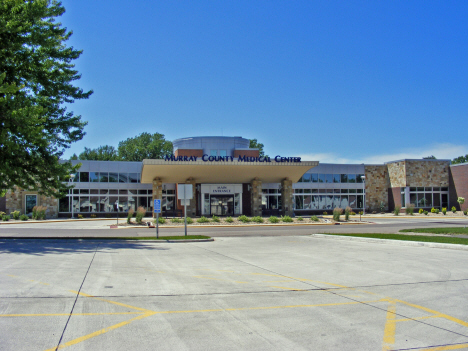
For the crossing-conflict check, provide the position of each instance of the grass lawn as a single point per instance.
(455, 230)
(429, 239)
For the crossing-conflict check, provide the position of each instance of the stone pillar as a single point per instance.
(256, 197)
(287, 197)
(192, 208)
(157, 192)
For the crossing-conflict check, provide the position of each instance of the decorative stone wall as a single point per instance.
(377, 183)
(157, 191)
(256, 197)
(397, 174)
(427, 173)
(15, 200)
(287, 197)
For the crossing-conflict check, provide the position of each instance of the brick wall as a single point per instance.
(189, 152)
(459, 185)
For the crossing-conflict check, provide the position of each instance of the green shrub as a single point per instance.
(93, 215)
(244, 219)
(140, 213)
(229, 219)
(16, 215)
(465, 213)
(361, 213)
(421, 211)
(273, 219)
(80, 216)
(433, 210)
(257, 219)
(176, 220)
(352, 213)
(454, 209)
(396, 210)
(38, 212)
(325, 213)
(425, 212)
(161, 220)
(108, 215)
(5, 218)
(2, 213)
(444, 210)
(314, 219)
(130, 215)
(203, 219)
(300, 219)
(437, 211)
(337, 213)
(286, 219)
(409, 209)
(24, 217)
(215, 219)
(189, 220)
(347, 213)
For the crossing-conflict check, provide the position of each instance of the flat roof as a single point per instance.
(223, 172)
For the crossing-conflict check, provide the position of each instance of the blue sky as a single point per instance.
(332, 81)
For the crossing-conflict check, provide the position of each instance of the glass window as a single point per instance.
(321, 178)
(336, 201)
(104, 177)
(344, 178)
(307, 191)
(314, 178)
(403, 200)
(360, 201)
(94, 177)
(84, 191)
(133, 191)
(420, 188)
(336, 178)
(322, 202)
(143, 191)
(103, 191)
(123, 191)
(134, 177)
(213, 152)
(352, 201)
(222, 153)
(436, 189)
(123, 177)
(329, 178)
(444, 189)
(237, 204)
(306, 178)
(85, 205)
(64, 204)
(84, 177)
(413, 199)
(344, 191)
(77, 177)
(353, 191)
(299, 201)
(359, 178)
(351, 178)
(428, 188)
(143, 201)
(31, 201)
(428, 199)
(314, 191)
(113, 177)
(273, 191)
(412, 189)
(94, 203)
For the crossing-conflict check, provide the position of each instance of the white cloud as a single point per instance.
(441, 151)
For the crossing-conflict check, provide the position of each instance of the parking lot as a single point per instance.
(253, 293)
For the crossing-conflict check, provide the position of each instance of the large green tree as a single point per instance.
(102, 153)
(38, 75)
(460, 159)
(143, 146)
(254, 144)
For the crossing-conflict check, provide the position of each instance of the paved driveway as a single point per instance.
(251, 293)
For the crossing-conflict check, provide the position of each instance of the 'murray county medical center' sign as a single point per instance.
(206, 158)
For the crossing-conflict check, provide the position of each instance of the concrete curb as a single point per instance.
(393, 242)
(104, 239)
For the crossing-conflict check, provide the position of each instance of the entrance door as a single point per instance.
(31, 201)
(222, 205)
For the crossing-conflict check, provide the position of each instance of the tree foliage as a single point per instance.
(254, 144)
(102, 153)
(432, 157)
(144, 146)
(460, 159)
(37, 75)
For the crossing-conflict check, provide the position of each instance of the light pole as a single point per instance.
(72, 178)
(364, 193)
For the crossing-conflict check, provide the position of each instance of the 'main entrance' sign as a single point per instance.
(207, 158)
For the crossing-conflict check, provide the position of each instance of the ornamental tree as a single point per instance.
(37, 76)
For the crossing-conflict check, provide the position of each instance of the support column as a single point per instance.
(192, 208)
(157, 192)
(287, 197)
(256, 197)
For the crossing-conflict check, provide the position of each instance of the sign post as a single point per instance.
(185, 194)
(157, 210)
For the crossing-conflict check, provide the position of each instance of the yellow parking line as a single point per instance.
(390, 327)
(447, 347)
(285, 288)
(109, 301)
(417, 318)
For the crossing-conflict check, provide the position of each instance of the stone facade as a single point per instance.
(15, 201)
(256, 197)
(427, 173)
(396, 174)
(287, 197)
(377, 183)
